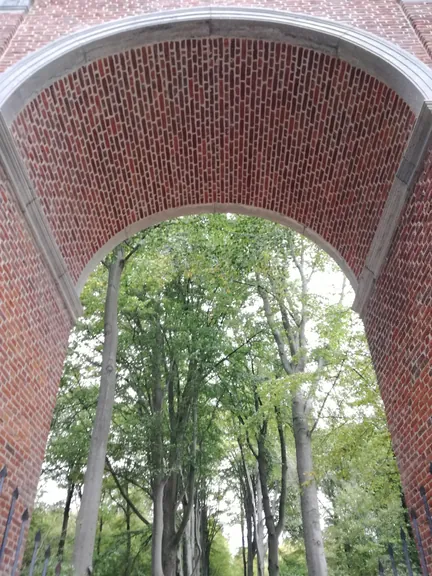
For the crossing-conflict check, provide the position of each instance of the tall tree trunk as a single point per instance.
(295, 333)
(249, 513)
(99, 538)
(158, 527)
(250, 546)
(272, 533)
(169, 559)
(198, 557)
(274, 529)
(260, 545)
(88, 514)
(249, 509)
(172, 534)
(188, 545)
(243, 538)
(159, 481)
(66, 512)
(180, 562)
(205, 541)
(128, 514)
(316, 561)
(273, 554)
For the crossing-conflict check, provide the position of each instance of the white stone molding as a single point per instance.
(33, 213)
(399, 69)
(405, 179)
(215, 208)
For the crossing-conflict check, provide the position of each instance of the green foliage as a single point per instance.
(292, 561)
(221, 561)
(191, 324)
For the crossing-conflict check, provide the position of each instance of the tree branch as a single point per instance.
(276, 334)
(124, 495)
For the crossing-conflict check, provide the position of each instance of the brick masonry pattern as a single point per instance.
(398, 325)
(50, 19)
(420, 16)
(103, 152)
(193, 122)
(9, 23)
(34, 330)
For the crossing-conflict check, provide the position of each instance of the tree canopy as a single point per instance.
(245, 403)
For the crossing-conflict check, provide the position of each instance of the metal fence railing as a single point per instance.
(23, 525)
(390, 552)
(404, 544)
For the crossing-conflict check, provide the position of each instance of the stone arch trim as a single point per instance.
(217, 209)
(404, 73)
(401, 71)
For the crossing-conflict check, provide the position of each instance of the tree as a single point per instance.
(222, 335)
(87, 518)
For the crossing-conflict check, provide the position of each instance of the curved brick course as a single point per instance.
(47, 20)
(227, 121)
(182, 124)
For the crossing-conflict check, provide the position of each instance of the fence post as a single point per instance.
(405, 551)
(37, 542)
(24, 520)
(15, 496)
(392, 560)
(47, 559)
(3, 474)
(426, 507)
(420, 543)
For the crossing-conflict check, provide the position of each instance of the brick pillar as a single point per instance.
(398, 323)
(34, 330)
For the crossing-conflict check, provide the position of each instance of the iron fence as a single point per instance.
(404, 543)
(390, 552)
(23, 525)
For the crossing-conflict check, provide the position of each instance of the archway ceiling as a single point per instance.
(205, 121)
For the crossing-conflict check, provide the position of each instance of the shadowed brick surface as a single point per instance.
(398, 325)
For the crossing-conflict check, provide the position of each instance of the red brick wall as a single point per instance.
(50, 19)
(34, 330)
(399, 329)
(420, 16)
(285, 129)
(9, 22)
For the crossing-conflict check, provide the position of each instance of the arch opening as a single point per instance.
(212, 209)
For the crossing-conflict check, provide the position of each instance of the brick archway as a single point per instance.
(319, 125)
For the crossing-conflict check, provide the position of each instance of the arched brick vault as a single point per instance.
(210, 121)
(300, 121)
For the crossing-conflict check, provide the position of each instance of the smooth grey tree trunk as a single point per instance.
(316, 561)
(189, 546)
(157, 534)
(243, 541)
(199, 544)
(296, 340)
(180, 563)
(88, 514)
